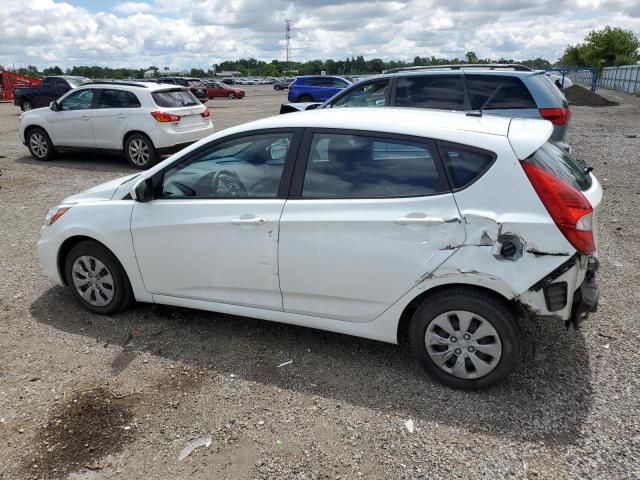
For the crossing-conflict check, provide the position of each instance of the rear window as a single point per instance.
(464, 165)
(444, 92)
(174, 98)
(556, 161)
(498, 92)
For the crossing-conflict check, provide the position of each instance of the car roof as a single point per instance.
(406, 121)
(149, 86)
(303, 77)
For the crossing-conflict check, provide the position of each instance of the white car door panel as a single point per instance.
(111, 117)
(213, 232)
(71, 124)
(215, 250)
(395, 221)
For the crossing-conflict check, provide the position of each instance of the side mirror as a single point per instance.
(53, 106)
(143, 190)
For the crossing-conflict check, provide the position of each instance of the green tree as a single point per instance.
(269, 70)
(471, 57)
(603, 48)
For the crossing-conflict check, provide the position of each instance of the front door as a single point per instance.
(71, 123)
(373, 216)
(212, 232)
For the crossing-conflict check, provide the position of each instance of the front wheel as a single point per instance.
(465, 338)
(40, 144)
(26, 105)
(140, 152)
(97, 279)
(277, 87)
(231, 96)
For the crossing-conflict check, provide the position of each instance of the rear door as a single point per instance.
(369, 215)
(111, 116)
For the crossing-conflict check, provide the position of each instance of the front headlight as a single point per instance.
(55, 213)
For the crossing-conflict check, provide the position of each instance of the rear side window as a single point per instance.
(371, 94)
(174, 98)
(117, 99)
(357, 166)
(444, 92)
(556, 161)
(464, 165)
(498, 92)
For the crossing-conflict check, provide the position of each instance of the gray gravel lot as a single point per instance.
(91, 397)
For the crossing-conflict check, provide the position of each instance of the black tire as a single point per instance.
(305, 98)
(231, 95)
(39, 144)
(122, 294)
(486, 306)
(277, 87)
(140, 152)
(26, 105)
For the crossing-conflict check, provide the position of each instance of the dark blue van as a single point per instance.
(316, 88)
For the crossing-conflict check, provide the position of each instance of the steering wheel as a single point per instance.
(226, 182)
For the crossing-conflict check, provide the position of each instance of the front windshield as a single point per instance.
(77, 81)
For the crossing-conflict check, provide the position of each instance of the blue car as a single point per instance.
(316, 88)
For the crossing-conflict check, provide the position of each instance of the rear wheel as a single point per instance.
(305, 98)
(40, 144)
(140, 152)
(97, 279)
(26, 105)
(231, 96)
(465, 338)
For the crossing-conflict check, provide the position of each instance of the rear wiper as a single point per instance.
(484, 105)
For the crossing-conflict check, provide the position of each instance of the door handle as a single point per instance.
(419, 221)
(248, 221)
(122, 115)
(86, 117)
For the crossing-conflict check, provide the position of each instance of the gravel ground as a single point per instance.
(84, 396)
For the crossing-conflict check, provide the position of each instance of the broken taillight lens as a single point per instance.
(568, 207)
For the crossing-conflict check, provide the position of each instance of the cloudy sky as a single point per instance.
(197, 33)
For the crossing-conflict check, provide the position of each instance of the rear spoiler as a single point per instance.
(526, 135)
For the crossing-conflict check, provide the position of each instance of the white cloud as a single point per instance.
(197, 33)
(129, 8)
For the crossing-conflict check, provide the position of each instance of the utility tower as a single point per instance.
(287, 40)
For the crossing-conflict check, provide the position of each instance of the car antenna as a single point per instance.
(479, 112)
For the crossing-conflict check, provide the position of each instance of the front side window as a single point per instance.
(358, 166)
(444, 92)
(498, 92)
(248, 167)
(80, 100)
(371, 94)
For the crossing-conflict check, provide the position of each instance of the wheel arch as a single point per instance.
(33, 126)
(128, 134)
(402, 334)
(71, 242)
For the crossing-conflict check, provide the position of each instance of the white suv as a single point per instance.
(141, 119)
(438, 227)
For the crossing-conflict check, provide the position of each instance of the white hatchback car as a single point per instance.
(141, 119)
(441, 228)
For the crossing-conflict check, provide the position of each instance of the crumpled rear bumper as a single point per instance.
(585, 299)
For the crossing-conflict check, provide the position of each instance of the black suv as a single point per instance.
(195, 85)
(507, 90)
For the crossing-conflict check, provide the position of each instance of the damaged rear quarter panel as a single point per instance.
(502, 206)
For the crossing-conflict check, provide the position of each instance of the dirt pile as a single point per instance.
(582, 97)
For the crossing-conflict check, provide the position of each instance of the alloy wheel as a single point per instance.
(139, 151)
(39, 145)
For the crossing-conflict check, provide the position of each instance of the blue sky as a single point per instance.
(198, 33)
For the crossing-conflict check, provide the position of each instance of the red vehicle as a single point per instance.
(219, 89)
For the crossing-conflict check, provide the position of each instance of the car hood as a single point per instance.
(103, 191)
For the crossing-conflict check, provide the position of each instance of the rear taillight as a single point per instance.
(557, 116)
(206, 113)
(567, 206)
(164, 117)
